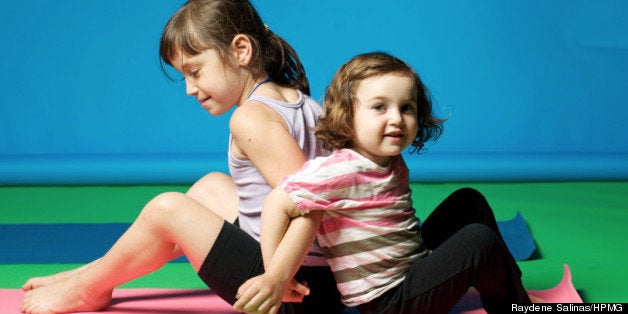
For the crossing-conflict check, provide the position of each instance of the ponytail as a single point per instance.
(283, 65)
(204, 24)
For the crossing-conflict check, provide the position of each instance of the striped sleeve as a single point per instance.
(340, 181)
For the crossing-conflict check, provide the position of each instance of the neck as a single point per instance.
(257, 84)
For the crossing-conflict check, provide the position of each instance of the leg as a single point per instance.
(324, 295)
(473, 256)
(215, 191)
(168, 221)
(236, 256)
(463, 207)
(218, 193)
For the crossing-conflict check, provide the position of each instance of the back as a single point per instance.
(369, 232)
(302, 118)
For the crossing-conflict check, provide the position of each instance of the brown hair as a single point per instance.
(212, 24)
(336, 125)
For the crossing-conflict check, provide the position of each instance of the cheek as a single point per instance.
(412, 123)
(412, 127)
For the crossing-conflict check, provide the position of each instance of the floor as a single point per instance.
(582, 224)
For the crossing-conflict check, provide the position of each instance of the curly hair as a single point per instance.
(335, 128)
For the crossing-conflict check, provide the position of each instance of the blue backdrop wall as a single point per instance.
(533, 90)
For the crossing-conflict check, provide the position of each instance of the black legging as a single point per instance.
(467, 250)
(463, 207)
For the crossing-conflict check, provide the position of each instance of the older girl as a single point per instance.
(228, 58)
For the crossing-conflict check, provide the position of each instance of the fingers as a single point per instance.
(301, 288)
(264, 295)
(293, 297)
(295, 292)
(257, 300)
(257, 305)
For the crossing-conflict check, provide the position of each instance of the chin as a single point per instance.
(215, 112)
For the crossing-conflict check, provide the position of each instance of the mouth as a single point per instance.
(203, 101)
(394, 135)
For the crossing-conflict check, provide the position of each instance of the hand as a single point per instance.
(295, 291)
(263, 295)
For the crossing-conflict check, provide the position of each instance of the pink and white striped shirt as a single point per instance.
(369, 233)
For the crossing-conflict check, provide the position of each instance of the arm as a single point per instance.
(262, 136)
(286, 238)
(286, 235)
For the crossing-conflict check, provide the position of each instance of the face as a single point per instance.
(215, 85)
(385, 117)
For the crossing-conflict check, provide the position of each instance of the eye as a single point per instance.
(193, 73)
(408, 108)
(379, 107)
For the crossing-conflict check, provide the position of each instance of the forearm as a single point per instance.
(286, 235)
(294, 246)
(274, 223)
(276, 284)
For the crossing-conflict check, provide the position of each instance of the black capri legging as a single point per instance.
(467, 250)
(236, 257)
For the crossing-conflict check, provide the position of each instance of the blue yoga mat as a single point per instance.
(518, 237)
(82, 243)
(58, 243)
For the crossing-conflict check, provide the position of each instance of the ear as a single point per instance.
(242, 49)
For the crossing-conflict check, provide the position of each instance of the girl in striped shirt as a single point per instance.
(358, 202)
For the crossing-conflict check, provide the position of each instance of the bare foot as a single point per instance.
(64, 296)
(536, 299)
(37, 282)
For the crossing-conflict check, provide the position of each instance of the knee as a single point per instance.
(212, 181)
(488, 250)
(481, 237)
(163, 206)
(469, 194)
(474, 204)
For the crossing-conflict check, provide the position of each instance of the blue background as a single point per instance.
(533, 90)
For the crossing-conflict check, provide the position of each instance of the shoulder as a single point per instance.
(254, 115)
(337, 157)
(401, 170)
(350, 159)
(338, 164)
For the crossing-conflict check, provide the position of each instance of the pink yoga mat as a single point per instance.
(144, 301)
(564, 292)
(173, 301)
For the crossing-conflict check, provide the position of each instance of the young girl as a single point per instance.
(228, 58)
(383, 260)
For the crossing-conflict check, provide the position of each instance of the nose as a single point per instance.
(394, 116)
(190, 88)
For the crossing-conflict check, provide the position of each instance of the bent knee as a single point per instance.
(481, 236)
(211, 180)
(210, 183)
(468, 193)
(164, 204)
